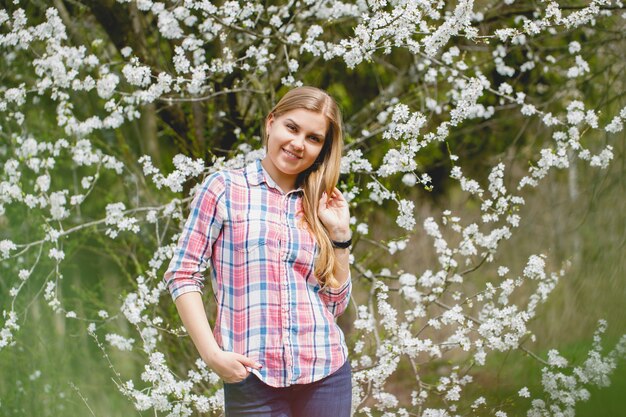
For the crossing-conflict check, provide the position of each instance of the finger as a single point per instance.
(249, 362)
(335, 198)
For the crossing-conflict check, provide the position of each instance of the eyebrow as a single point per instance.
(298, 126)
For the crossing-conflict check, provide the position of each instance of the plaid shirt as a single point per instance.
(269, 303)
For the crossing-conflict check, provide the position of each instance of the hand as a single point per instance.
(231, 366)
(334, 213)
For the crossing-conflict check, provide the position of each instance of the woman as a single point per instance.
(277, 236)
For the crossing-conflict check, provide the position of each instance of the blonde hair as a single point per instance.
(322, 175)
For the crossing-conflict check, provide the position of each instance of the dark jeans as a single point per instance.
(330, 396)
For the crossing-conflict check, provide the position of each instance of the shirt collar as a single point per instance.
(257, 174)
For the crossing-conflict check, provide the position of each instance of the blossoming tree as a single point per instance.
(97, 95)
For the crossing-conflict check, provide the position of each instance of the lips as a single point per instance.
(291, 154)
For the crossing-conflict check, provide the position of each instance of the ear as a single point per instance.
(269, 121)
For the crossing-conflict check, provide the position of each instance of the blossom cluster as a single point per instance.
(423, 315)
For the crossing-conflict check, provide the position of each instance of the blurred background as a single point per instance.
(574, 217)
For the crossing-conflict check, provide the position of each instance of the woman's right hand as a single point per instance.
(231, 366)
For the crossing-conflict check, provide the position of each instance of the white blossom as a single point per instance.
(123, 344)
(574, 47)
(57, 254)
(6, 246)
(107, 84)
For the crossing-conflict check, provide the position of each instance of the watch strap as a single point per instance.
(342, 245)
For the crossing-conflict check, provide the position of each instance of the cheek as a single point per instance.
(319, 151)
(273, 143)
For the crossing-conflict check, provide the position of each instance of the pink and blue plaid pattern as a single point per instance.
(261, 255)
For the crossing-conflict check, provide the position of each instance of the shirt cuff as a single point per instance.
(184, 290)
(341, 290)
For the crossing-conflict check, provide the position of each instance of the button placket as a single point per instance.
(285, 316)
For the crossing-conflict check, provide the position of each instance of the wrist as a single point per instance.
(211, 357)
(340, 235)
(341, 244)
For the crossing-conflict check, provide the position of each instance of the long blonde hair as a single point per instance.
(322, 175)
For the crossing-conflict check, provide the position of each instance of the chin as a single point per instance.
(288, 167)
(290, 171)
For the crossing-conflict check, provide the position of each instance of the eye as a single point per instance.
(315, 139)
(291, 127)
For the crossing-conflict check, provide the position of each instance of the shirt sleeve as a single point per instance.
(337, 299)
(194, 248)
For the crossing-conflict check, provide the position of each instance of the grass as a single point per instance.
(56, 369)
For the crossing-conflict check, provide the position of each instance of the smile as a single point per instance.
(292, 155)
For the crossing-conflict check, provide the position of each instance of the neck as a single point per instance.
(284, 181)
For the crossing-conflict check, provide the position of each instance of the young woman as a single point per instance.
(276, 234)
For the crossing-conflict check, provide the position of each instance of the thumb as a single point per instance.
(244, 360)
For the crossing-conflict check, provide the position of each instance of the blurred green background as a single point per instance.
(56, 369)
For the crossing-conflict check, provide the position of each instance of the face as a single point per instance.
(295, 140)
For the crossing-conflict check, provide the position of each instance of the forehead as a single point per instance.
(307, 120)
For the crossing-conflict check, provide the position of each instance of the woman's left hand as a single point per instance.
(334, 213)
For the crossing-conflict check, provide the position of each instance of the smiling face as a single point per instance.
(295, 140)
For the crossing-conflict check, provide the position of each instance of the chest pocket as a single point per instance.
(303, 250)
(252, 235)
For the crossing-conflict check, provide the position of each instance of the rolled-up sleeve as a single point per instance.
(193, 251)
(337, 299)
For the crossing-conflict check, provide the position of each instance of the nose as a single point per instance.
(298, 142)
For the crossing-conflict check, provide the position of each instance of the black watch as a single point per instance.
(342, 245)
